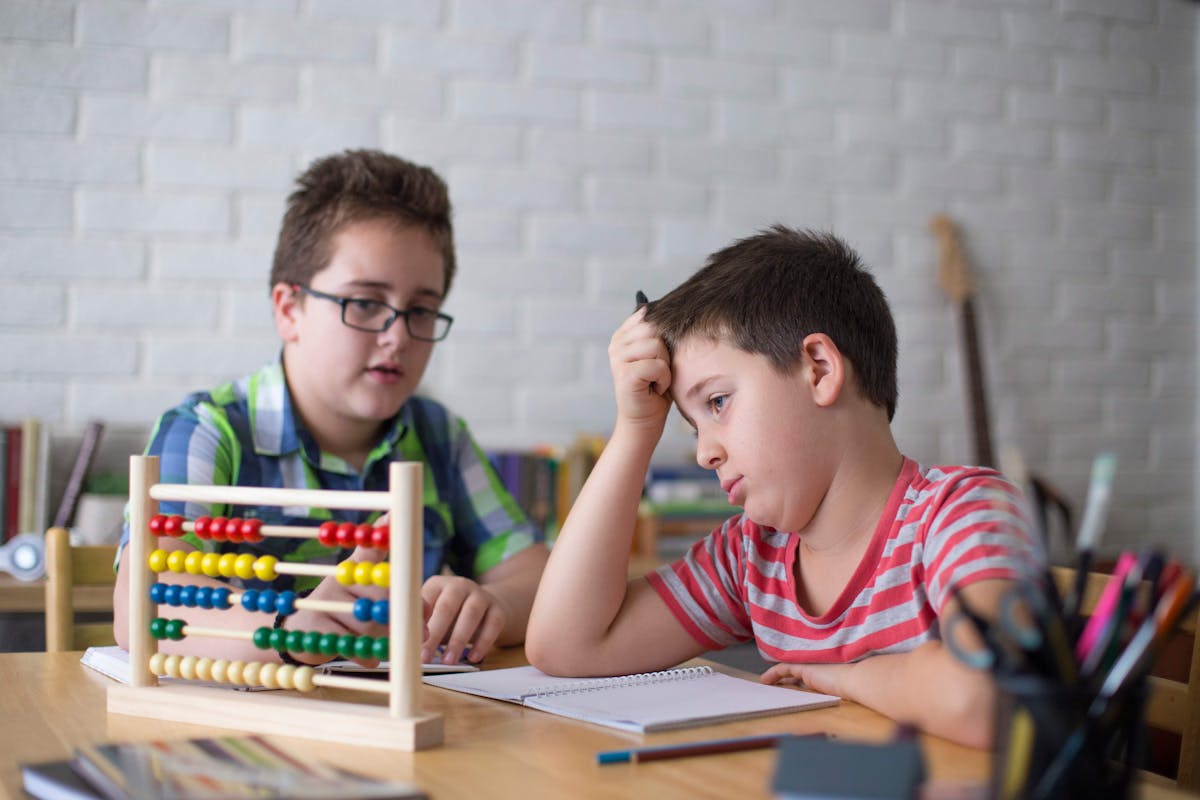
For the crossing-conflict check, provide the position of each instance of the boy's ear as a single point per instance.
(824, 368)
(285, 304)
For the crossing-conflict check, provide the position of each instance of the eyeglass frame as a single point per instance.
(396, 313)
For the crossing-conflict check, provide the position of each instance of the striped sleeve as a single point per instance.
(977, 530)
(705, 589)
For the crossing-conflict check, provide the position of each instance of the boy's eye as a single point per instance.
(362, 305)
(418, 312)
(717, 403)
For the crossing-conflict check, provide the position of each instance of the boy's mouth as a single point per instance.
(730, 487)
(385, 372)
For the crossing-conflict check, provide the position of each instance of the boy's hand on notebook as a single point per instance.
(823, 678)
(461, 615)
(641, 369)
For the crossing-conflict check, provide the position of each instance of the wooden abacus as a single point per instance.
(399, 725)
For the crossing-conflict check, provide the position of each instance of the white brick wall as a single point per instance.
(595, 148)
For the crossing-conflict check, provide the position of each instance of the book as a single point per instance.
(65, 516)
(222, 767)
(56, 780)
(644, 703)
(113, 662)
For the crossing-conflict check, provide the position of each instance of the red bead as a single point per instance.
(252, 530)
(200, 527)
(327, 534)
(362, 535)
(156, 524)
(216, 528)
(345, 534)
(233, 529)
(379, 537)
(173, 525)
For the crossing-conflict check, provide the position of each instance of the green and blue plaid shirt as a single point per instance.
(246, 433)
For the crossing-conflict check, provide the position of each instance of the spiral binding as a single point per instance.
(637, 679)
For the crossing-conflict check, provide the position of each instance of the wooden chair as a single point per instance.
(1173, 705)
(68, 568)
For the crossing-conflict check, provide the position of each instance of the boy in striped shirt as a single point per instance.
(781, 353)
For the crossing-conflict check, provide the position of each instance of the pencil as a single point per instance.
(638, 755)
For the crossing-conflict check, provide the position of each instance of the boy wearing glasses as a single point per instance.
(364, 261)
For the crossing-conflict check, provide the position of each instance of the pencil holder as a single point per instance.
(1042, 729)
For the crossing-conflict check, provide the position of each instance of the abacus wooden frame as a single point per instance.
(401, 725)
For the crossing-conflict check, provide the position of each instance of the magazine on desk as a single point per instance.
(223, 768)
(645, 703)
(114, 662)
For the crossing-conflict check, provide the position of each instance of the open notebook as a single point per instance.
(653, 701)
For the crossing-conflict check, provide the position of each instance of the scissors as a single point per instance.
(1017, 636)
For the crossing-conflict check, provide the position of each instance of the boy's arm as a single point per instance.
(928, 686)
(588, 618)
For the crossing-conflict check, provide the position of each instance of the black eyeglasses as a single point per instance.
(375, 316)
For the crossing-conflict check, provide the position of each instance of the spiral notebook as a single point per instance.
(644, 703)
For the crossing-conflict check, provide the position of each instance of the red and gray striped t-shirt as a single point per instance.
(943, 528)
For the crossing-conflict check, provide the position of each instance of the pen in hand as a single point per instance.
(640, 300)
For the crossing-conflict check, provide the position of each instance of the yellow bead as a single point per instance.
(156, 664)
(264, 568)
(362, 573)
(233, 673)
(157, 560)
(187, 668)
(381, 574)
(244, 566)
(250, 673)
(345, 573)
(303, 679)
(175, 560)
(171, 665)
(286, 676)
(209, 564)
(267, 675)
(225, 564)
(193, 561)
(204, 668)
(218, 670)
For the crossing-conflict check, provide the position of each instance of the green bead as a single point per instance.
(174, 629)
(295, 641)
(362, 647)
(345, 645)
(328, 644)
(311, 641)
(262, 638)
(278, 638)
(380, 648)
(158, 628)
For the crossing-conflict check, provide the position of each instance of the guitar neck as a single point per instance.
(973, 360)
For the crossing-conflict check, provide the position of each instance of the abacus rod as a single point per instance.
(347, 682)
(217, 633)
(404, 591)
(258, 496)
(296, 568)
(143, 473)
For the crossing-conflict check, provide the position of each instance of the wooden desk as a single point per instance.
(30, 596)
(49, 704)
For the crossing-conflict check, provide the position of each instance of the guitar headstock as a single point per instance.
(953, 272)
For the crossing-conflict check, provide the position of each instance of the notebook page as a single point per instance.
(515, 684)
(699, 699)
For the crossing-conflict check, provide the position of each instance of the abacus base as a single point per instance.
(279, 714)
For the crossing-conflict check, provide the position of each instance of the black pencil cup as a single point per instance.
(1036, 719)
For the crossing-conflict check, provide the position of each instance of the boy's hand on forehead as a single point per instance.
(641, 370)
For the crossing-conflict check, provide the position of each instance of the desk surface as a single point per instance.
(49, 704)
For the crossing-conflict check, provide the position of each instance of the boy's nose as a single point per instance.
(396, 335)
(709, 453)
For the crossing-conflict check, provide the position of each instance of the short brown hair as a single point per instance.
(765, 293)
(353, 186)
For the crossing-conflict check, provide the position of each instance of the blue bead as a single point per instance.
(266, 600)
(362, 609)
(250, 600)
(220, 598)
(285, 604)
(204, 596)
(188, 595)
(379, 612)
(158, 593)
(171, 595)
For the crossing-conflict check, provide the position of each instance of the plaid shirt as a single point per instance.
(246, 433)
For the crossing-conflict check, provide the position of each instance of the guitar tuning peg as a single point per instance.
(24, 556)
